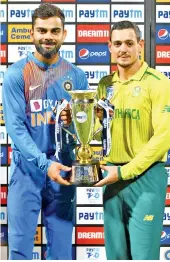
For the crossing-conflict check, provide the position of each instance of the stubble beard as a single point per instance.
(48, 54)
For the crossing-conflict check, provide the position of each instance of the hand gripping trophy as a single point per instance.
(85, 171)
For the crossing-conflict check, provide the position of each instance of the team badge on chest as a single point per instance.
(136, 91)
(68, 85)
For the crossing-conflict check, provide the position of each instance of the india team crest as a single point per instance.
(109, 92)
(68, 85)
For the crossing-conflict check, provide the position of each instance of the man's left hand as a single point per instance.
(112, 176)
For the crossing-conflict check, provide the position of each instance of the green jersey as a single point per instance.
(140, 128)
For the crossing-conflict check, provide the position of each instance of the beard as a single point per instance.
(48, 54)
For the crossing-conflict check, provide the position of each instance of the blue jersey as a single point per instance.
(31, 90)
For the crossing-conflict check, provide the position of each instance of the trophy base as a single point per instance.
(85, 174)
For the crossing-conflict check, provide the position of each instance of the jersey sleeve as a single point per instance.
(14, 106)
(159, 143)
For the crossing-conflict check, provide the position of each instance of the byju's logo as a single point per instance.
(92, 253)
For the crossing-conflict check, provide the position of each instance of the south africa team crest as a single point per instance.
(109, 92)
(68, 85)
(136, 91)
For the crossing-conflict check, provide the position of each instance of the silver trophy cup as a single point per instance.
(85, 170)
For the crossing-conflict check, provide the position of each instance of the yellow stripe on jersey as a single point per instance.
(141, 125)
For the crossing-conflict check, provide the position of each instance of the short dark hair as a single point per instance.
(47, 10)
(125, 24)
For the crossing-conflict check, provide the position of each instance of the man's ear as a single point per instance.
(31, 33)
(64, 34)
(141, 45)
(110, 46)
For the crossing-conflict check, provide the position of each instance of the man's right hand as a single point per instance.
(54, 173)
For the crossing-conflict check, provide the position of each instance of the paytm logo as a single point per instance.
(94, 76)
(36, 254)
(3, 135)
(162, 13)
(3, 12)
(3, 215)
(166, 216)
(69, 11)
(68, 52)
(92, 253)
(165, 70)
(21, 13)
(93, 13)
(163, 34)
(133, 12)
(92, 54)
(89, 215)
(2, 72)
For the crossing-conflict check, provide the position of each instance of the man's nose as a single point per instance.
(48, 35)
(123, 47)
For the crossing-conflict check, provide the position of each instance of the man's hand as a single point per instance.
(66, 116)
(112, 176)
(99, 112)
(54, 173)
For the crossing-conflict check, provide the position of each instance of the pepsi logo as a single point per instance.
(163, 34)
(163, 235)
(84, 53)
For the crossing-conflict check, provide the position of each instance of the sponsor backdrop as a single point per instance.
(88, 23)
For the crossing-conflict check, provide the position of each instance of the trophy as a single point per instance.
(85, 170)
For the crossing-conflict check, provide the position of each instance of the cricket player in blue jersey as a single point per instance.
(32, 88)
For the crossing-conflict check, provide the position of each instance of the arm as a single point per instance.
(14, 106)
(159, 143)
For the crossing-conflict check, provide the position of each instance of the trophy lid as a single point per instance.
(82, 94)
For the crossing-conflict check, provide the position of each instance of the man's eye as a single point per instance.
(130, 44)
(117, 44)
(42, 31)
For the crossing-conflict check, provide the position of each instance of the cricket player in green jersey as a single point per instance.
(135, 178)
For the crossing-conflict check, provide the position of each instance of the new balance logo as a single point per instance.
(33, 87)
(166, 109)
(148, 218)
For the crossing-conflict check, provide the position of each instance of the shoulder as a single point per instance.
(106, 81)
(16, 69)
(155, 75)
(75, 69)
